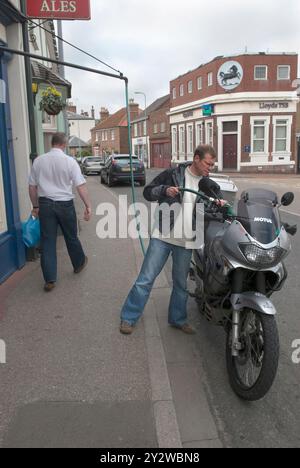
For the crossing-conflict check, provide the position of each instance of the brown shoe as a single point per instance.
(82, 267)
(126, 328)
(185, 328)
(49, 287)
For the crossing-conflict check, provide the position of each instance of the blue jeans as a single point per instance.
(53, 214)
(156, 257)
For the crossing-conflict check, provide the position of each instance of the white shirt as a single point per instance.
(55, 174)
(184, 222)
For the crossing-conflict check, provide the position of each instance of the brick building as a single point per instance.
(110, 135)
(151, 134)
(245, 106)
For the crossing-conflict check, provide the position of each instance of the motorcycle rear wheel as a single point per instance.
(252, 373)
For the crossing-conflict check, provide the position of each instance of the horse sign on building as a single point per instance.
(59, 9)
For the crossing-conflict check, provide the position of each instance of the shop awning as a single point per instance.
(43, 74)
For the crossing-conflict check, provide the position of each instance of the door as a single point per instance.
(230, 152)
(161, 155)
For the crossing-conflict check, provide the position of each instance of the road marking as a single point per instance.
(291, 213)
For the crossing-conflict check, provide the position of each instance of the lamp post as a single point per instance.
(145, 112)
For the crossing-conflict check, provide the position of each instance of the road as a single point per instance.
(274, 421)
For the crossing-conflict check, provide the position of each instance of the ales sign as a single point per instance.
(59, 9)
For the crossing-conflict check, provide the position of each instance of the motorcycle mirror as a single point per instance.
(287, 199)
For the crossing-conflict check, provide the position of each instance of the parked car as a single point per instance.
(92, 165)
(117, 169)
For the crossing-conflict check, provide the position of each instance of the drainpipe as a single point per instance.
(28, 74)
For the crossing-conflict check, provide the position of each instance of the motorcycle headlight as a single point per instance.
(259, 257)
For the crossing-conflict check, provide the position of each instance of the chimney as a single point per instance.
(104, 114)
(93, 112)
(71, 108)
(133, 109)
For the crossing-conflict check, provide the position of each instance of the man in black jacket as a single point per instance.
(165, 188)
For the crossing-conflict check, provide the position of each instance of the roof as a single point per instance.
(119, 119)
(75, 142)
(153, 107)
(73, 116)
(43, 74)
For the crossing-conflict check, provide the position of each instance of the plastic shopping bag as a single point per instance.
(31, 232)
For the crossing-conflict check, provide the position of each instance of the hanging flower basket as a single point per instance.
(52, 102)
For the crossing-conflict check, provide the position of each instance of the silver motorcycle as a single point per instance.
(236, 272)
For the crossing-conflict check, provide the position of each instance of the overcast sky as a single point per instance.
(154, 41)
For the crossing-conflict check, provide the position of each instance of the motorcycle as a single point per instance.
(236, 272)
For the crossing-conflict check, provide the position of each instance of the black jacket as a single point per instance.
(156, 190)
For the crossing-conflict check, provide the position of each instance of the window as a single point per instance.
(281, 132)
(145, 128)
(98, 136)
(209, 79)
(181, 90)
(163, 127)
(259, 136)
(199, 133)
(209, 133)
(182, 140)
(199, 83)
(230, 127)
(190, 87)
(174, 142)
(283, 72)
(174, 93)
(135, 130)
(112, 135)
(190, 139)
(261, 72)
(155, 128)
(103, 136)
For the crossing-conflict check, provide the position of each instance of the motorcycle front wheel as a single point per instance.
(253, 371)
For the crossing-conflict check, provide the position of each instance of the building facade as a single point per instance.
(110, 135)
(14, 143)
(245, 106)
(150, 134)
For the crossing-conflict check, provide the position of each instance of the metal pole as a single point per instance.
(30, 101)
(60, 48)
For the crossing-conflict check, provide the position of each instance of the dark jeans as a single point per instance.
(54, 214)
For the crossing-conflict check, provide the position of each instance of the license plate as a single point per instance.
(127, 169)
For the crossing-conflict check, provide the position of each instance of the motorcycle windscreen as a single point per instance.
(260, 219)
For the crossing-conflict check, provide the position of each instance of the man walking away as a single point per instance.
(51, 182)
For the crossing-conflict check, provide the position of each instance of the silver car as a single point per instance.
(92, 165)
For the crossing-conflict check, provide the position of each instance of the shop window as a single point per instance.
(261, 72)
(190, 139)
(259, 136)
(230, 127)
(174, 141)
(209, 134)
(283, 72)
(199, 133)
(281, 133)
(182, 140)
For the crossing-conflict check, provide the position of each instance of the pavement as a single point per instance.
(72, 380)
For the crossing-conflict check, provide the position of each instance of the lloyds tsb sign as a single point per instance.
(59, 9)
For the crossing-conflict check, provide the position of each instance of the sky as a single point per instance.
(155, 41)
